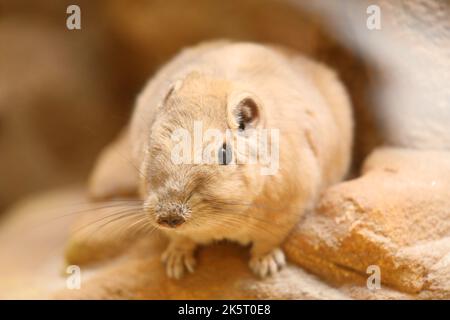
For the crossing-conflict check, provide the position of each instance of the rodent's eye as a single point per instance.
(225, 154)
(241, 125)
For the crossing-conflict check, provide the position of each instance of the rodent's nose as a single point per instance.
(171, 220)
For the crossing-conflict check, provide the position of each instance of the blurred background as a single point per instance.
(64, 94)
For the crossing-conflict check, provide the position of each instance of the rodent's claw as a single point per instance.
(268, 264)
(177, 261)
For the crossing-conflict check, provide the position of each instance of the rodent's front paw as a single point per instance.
(177, 261)
(268, 264)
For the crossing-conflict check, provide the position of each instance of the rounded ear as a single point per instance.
(173, 87)
(244, 111)
(114, 174)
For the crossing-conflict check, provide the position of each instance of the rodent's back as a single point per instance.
(332, 139)
(302, 98)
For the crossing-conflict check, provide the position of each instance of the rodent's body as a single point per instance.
(237, 86)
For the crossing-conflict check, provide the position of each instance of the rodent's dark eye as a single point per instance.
(225, 154)
(241, 125)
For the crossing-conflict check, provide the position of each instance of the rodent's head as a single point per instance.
(193, 176)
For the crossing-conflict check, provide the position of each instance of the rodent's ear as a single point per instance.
(114, 174)
(175, 86)
(244, 111)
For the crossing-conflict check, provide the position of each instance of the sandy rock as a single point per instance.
(394, 216)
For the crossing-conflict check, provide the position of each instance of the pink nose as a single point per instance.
(171, 220)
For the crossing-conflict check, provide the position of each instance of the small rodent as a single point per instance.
(237, 87)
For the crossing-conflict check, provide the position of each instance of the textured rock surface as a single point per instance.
(395, 216)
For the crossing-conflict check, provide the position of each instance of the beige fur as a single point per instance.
(301, 98)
